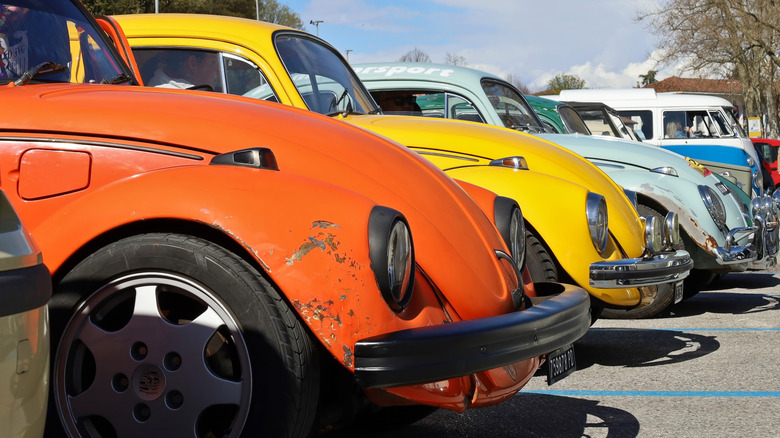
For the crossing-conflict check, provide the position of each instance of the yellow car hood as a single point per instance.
(486, 143)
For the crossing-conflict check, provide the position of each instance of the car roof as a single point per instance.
(420, 71)
(625, 97)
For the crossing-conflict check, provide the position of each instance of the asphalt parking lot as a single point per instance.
(710, 367)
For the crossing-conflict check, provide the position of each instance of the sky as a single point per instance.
(600, 41)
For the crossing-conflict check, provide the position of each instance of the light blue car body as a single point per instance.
(732, 245)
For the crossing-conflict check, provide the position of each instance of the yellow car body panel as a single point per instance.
(547, 206)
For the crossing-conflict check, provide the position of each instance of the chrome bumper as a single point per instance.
(658, 269)
(760, 253)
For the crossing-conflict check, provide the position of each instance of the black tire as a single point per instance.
(540, 263)
(664, 297)
(166, 334)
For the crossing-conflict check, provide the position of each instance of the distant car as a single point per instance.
(25, 289)
(603, 120)
(767, 149)
(715, 232)
(581, 227)
(697, 126)
(227, 267)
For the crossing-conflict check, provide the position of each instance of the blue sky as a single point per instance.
(598, 40)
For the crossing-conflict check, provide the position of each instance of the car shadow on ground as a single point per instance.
(525, 414)
(648, 347)
(732, 294)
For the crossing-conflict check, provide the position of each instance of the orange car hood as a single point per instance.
(458, 255)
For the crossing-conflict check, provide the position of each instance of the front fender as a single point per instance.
(555, 208)
(682, 197)
(309, 237)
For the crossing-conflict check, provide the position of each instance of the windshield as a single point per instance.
(56, 34)
(572, 120)
(511, 107)
(323, 79)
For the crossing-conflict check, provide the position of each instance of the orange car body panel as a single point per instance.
(77, 180)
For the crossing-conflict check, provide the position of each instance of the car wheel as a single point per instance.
(538, 260)
(171, 335)
(664, 295)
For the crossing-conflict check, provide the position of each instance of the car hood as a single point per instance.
(629, 153)
(491, 142)
(458, 255)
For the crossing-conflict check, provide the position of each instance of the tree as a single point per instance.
(269, 10)
(453, 59)
(649, 78)
(415, 55)
(565, 81)
(517, 83)
(725, 38)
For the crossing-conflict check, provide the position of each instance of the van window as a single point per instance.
(643, 122)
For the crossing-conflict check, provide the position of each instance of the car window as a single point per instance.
(511, 107)
(597, 122)
(572, 120)
(724, 123)
(72, 48)
(642, 121)
(241, 76)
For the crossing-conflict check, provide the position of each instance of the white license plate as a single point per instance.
(560, 363)
(678, 292)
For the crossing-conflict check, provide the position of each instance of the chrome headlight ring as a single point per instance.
(671, 231)
(654, 240)
(714, 205)
(511, 225)
(391, 252)
(598, 220)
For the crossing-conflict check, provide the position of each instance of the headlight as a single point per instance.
(671, 231)
(598, 222)
(714, 205)
(665, 170)
(510, 223)
(653, 234)
(392, 256)
(758, 179)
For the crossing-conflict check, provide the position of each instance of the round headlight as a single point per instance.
(510, 223)
(714, 205)
(392, 256)
(598, 222)
(653, 234)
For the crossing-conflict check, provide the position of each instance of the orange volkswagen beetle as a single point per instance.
(224, 267)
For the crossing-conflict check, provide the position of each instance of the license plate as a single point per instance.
(678, 292)
(560, 363)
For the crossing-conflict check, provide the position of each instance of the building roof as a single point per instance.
(695, 85)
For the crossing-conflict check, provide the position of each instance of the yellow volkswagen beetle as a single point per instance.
(582, 227)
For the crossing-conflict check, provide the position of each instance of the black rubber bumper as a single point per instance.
(445, 351)
(24, 289)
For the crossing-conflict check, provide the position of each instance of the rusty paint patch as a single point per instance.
(316, 311)
(325, 242)
(348, 357)
(323, 224)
